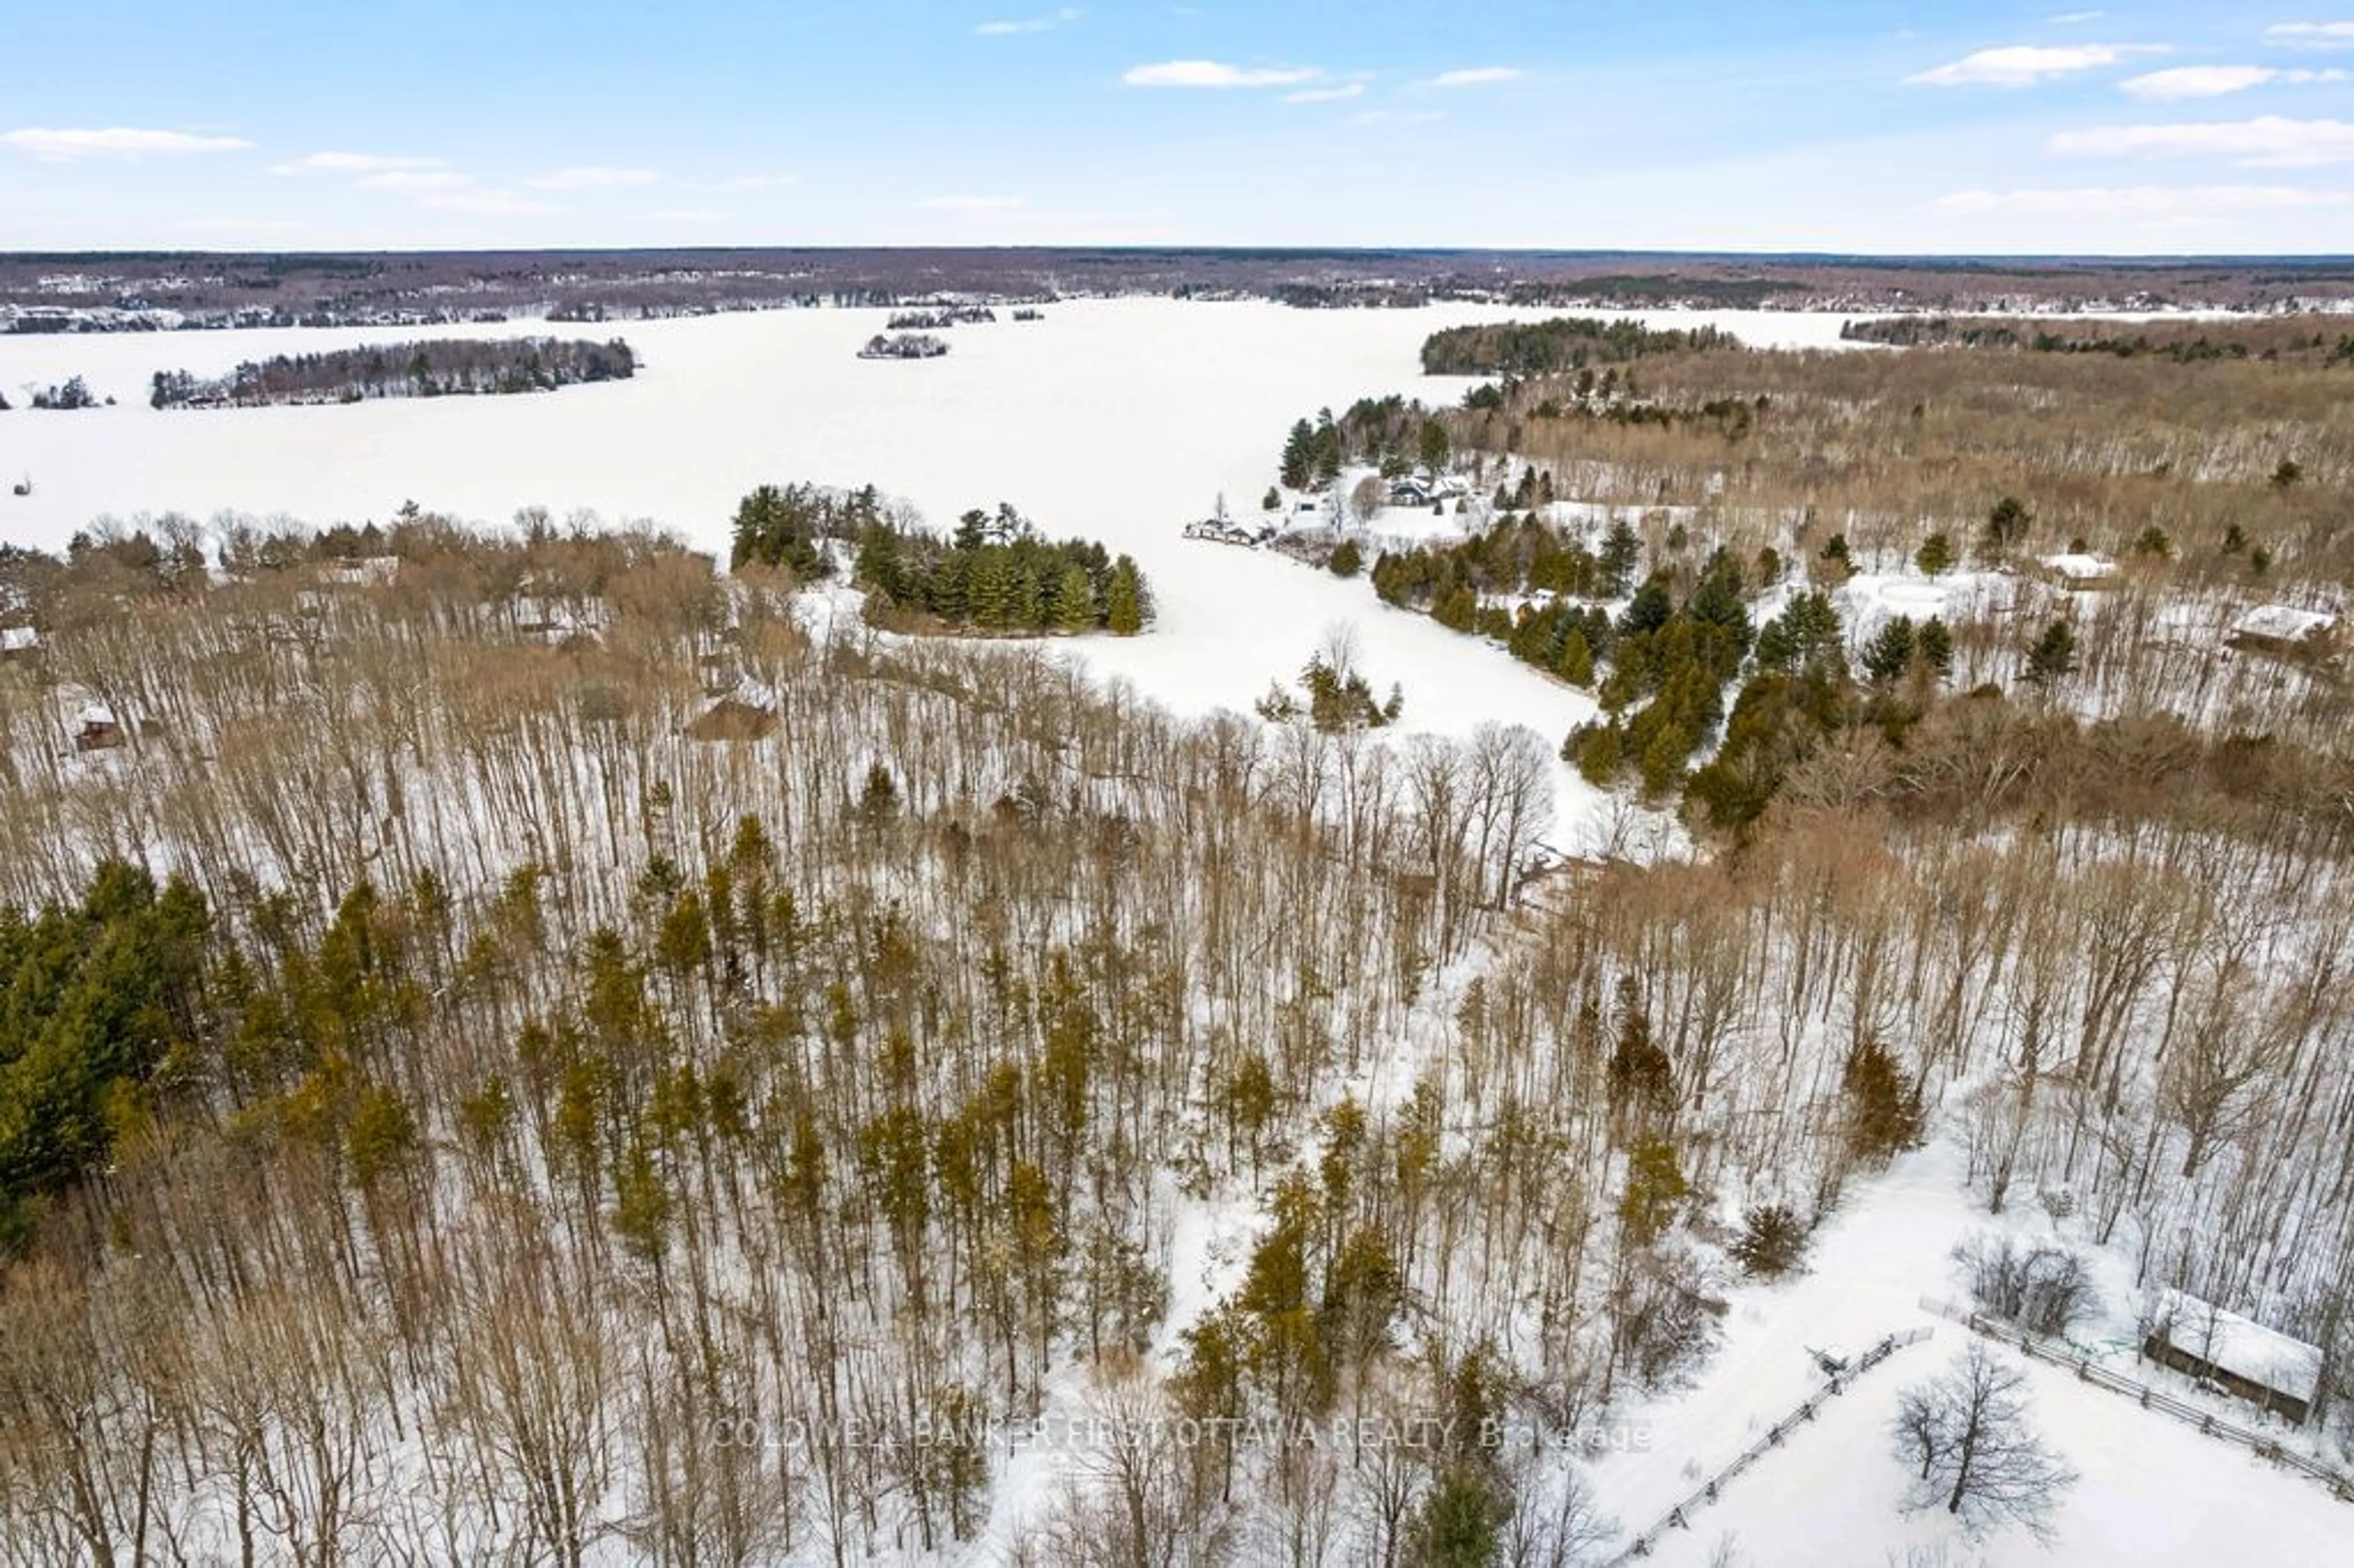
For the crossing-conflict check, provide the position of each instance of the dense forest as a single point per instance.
(440, 368)
(458, 1104)
(995, 572)
(1565, 343)
(474, 1091)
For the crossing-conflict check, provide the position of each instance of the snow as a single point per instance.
(18, 639)
(1869, 600)
(2240, 1346)
(2153, 1489)
(2075, 568)
(1118, 419)
(2283, 624)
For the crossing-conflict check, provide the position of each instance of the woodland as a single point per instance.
(451, 1113)
(440, 368)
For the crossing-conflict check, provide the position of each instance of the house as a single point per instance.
(2285, 632)
(101, 730)
(2081, 572)
(1411, 492)
(2260, 1365)
(18, 641)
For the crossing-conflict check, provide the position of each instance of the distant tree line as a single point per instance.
(451, 368)
(1564, 344)
(2178, 344)
(995, 572)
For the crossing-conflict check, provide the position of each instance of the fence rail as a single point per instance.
(2054, 1354)
(1708, 1492)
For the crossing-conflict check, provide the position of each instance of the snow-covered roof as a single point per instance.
(97, 713)
(2283, 624)
(15, 638)
(2240, 1346)
(365, 571)
(2076, 568)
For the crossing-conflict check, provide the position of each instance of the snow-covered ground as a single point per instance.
(2152, 1489)
(1118, 419)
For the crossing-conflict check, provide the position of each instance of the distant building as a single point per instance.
(2256, 1364)
(101, 730)
(2081, 572)
(2286, 632)
(18, 641)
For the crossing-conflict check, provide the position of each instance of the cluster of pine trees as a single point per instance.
(1514, 557)
(95, 996)
(1562, 344)
(998, 573)
(1390, 433)
(994, 573)
(440, 368)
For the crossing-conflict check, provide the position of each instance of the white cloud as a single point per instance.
(353, 164)
(2311, 35)
(1346, 90)
(118, 142)
(1478, 75)
(2215, 81)
(2155, 203)
(488, 203)
(592, 177)
(737, 185)
(2023, 65)
(2070, 18)
(973, 206)
(1215, 73)
(2268, 142)
(415, 182)
(1045, 24)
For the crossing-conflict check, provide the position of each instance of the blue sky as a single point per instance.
(1811, 125)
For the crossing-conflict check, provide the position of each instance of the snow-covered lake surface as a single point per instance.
(1121, 420)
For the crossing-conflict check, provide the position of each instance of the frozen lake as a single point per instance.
(1119, 419)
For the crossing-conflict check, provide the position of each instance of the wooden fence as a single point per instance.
(2055, 1352)
(1708, 1492)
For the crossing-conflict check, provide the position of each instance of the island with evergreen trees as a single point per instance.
(439, 368)
(903, 345)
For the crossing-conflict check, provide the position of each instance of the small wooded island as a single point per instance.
(903, 345)
(440, 368)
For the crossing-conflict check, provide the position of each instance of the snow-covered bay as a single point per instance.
(1121, 420)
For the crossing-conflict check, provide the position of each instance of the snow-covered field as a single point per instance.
(2151, 1488)
(1121, 420)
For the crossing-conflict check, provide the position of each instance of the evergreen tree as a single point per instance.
(2007, 525)
(1299, 456)
(1621, 553)
(1125, 604)
(2053, 657)
(1890, 650)
(1074, 600)
(1884, 1115)
(1934, 646)
(1935, 556)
